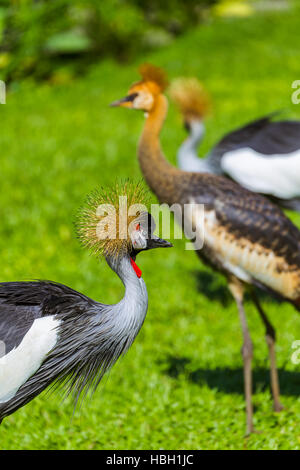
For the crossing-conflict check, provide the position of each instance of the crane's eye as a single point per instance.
(131, 97)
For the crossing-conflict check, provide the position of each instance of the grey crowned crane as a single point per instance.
(246, 237)
(263, 156)
(55, 335)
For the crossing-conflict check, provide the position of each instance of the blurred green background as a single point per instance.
(43, 37)
(180, 386)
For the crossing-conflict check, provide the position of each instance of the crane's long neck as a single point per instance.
(131, 310)
(187, 155)
(158, 172)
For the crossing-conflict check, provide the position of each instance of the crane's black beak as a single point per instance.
(125, 102)
(156, 242)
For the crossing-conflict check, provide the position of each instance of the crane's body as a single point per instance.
(263, 156)
(55, 335)
(246, 237)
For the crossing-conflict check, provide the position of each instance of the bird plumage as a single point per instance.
(263, 135)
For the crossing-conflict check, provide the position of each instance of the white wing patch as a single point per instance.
(278, 175)
(22, 362)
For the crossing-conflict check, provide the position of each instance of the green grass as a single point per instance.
(180, 386)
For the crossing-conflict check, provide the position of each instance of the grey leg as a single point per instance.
(237, 290)
(270, 340)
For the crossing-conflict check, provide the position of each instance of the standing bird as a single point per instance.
(263, 156)
(53, 334)
(247, 238)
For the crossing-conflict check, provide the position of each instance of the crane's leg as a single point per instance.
(270, 339)
(237, 290)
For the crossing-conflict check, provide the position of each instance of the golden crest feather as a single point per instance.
(190, 96)
(155, 74)
(103, 222)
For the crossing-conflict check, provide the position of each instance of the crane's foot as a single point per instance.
(278, 407)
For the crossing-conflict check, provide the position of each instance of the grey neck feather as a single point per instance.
(187, 156)
(131, 310)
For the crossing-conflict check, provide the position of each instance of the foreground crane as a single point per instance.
(53, 334)
(263, 156)
(247, 238)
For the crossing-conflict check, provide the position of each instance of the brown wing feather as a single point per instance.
(254, 218)
(249, 234)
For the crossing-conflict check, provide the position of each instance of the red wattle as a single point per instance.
(137, 270)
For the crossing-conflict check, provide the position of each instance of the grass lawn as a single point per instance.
(180, 386)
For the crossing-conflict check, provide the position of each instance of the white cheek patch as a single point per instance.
(22, 362)
(139, 239)
(143, 101)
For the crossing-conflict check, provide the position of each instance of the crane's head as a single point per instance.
(191, 98)
(115, 222)
(143, 94)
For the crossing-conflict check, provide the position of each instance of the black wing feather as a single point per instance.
(263, 136)
(23, 302)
